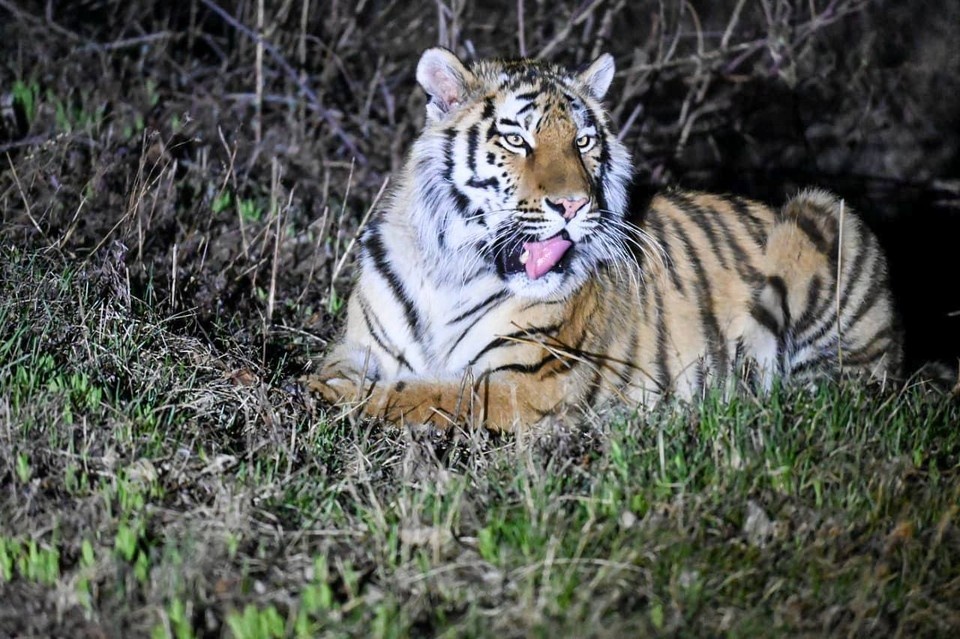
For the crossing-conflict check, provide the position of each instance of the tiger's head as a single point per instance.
(517, 172)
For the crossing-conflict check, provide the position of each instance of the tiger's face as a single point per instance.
(528, 181)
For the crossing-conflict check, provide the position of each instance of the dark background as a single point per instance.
(145, 112)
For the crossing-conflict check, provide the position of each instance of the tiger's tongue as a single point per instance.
(543, 256)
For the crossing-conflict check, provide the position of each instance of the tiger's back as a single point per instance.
(507, 281)
(738, 290)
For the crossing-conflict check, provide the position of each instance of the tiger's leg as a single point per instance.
(344, 373)
(764, 331)
(500, 402)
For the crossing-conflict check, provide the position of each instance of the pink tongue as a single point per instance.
(544, 255)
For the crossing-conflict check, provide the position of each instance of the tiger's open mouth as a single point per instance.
(537, 258)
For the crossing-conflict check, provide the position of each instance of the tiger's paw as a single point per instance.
(334, 389)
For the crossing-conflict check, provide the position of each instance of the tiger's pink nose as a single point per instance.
(567, 206)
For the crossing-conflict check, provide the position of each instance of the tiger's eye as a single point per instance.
(513, 139)
(584, 142)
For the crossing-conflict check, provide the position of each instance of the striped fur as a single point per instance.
(518, 159)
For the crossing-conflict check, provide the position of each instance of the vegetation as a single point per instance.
(179, 206)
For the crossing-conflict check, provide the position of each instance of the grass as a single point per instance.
(178, 214)
(147, 493)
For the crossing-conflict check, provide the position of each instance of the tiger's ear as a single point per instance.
(445, 79)
(598, 76)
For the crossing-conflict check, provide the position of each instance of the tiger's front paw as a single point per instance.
(334, 389)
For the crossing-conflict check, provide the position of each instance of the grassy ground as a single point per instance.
(175, 248)
(153, 484)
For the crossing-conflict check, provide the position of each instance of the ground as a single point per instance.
(179, 207)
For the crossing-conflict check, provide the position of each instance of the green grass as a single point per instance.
(146, 490)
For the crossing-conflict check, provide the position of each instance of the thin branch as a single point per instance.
(125, 43)
(291, 73)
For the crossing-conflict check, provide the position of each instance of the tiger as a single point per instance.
(505, 280)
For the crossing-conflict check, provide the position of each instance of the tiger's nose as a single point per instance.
(568, 207)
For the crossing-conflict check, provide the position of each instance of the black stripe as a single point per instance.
(813, 334)
(870, 300)
(512, 339)
(590, 119)
(593, 389)
(707, 219)
(461, 200)
(815, 235)
(473, 140)
(372, 325)
(626, 373)
(777, 283)
(702, 221)
(569, 364)
(807, 365)
(741, 259)
(705, 303)
(754, 226)
(766, 319)
(864, 359)
(493, 299)
(811, 309)
(664, 378)
(658, 231)
(523, 368)
(874, 293)
(525, 108)
(856, 272)
(575, 348)
(885, 335)
(374, 245)
(477, 309)
(700, 377)
(488, 108)
(449, 137)
(543, 303)
(489, 183)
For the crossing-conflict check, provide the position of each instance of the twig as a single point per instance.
(363, 224)
(48, 23)
(23, 196)
(258, 74)
(291, 73)
(316, 248)
(732, 24)
(173, 278)
(839, 275)
(31, 141)
(521, 39)
(124, 43)
(637, 110)
(274, 187)
(575, 20)
(231, 175)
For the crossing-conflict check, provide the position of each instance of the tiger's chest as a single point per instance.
(455, 329)
(460, 323)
